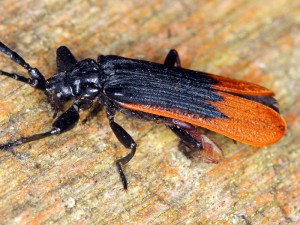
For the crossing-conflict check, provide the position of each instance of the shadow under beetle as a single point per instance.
(163, 93)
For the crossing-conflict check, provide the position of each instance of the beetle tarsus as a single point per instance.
(8, 146)
(122, 175)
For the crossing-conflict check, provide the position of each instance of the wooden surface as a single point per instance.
(72, 179)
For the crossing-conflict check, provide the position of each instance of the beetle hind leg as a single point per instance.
(196, 145)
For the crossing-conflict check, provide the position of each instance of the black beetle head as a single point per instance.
(58, 91)
(82, 81)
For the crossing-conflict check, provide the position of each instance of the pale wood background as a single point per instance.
(71, 179)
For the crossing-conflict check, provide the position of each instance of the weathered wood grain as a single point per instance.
(71, 178)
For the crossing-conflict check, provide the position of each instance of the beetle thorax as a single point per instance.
(82, 81)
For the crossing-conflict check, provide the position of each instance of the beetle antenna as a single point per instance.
(37, 79)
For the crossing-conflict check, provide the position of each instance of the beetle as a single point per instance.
(165, 93)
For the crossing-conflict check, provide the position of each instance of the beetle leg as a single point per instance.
(37, 81)
(129, 143)
(64, 59)
(125, 139)
(64, 122)
(172, 59)
(197, 145)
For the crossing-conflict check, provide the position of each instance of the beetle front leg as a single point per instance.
(64, 122)
(197, 145)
